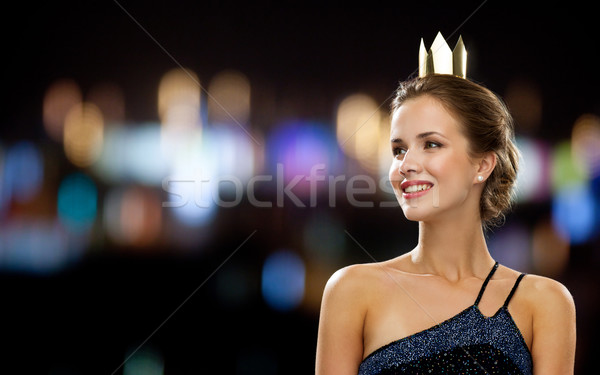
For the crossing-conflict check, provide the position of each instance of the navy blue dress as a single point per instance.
(467, 343)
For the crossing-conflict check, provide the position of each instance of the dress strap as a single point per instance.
(487, 279)
(512, 291)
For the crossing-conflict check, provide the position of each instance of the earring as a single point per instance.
(480, 178)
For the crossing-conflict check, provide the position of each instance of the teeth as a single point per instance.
(415, 188)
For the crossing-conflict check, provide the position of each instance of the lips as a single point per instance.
(415, 188)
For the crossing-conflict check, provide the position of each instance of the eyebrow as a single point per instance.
(420, 136)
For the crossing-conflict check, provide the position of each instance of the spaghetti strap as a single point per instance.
(487, 279)
(512, 291)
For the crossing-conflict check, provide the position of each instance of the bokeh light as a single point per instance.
(77, 202)
(300, 151)
(573, 213)
(133, 154)
(385, 150)
(133, 216)
(179, 100)
(145, 361)
(566, 170)
(533, 178)
(233, 151)
(360, 125)
(60, 97)
(38, 246)
(283, 277)
(191, 185)
(5, 195)
(22, 173)
(83, 134)
(228, 99)
(585, 143)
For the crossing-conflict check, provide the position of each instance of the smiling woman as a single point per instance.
(453, 171)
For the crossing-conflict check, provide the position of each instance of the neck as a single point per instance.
(454, 249)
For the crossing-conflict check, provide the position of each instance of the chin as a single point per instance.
(417, 213)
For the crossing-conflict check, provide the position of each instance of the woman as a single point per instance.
(447, 306)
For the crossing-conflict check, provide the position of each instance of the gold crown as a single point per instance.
(441, 60)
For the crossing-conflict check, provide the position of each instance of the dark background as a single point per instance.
(86, 318)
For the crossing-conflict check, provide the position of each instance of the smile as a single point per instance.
(416, 188)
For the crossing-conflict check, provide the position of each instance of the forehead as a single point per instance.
(422, 114)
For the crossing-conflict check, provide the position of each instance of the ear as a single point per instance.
(485, 166)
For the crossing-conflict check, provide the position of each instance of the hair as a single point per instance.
(488, 126)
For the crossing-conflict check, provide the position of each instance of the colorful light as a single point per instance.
(77, 202)
(362, 130)
(229, 98)
(133, 216)
(573, 214)
(23, 172)
(300, 151)
(179, 100)
(585, 143)
(566, 170)
(144, 161)
(133, 154)
(191, 185)
(144, 361)
(283, 276)
(232, 150)
(83, 134)
(59, 98)
(533, 179)
(38, 246)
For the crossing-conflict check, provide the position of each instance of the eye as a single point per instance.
(398, 152)
(431, 144)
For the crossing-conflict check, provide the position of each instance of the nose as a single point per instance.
(409, 164)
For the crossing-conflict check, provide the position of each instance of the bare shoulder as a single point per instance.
(553, 325)
(541, 291)
(353, 279)
(546, 293)
(343, 309)
(359, 286)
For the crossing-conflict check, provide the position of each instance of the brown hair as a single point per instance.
(488, 126)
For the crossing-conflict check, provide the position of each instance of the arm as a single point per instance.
(554, 336)
(340, 337)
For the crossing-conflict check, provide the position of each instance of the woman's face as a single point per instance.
(432, 174)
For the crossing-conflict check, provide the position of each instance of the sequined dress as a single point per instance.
(467, 343)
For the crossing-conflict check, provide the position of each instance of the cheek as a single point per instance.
(452, 173)
(440, 166)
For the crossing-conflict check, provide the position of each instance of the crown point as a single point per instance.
(459, 59)
(422, 59)
(442, 55)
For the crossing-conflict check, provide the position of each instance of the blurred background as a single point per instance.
(144, 149)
